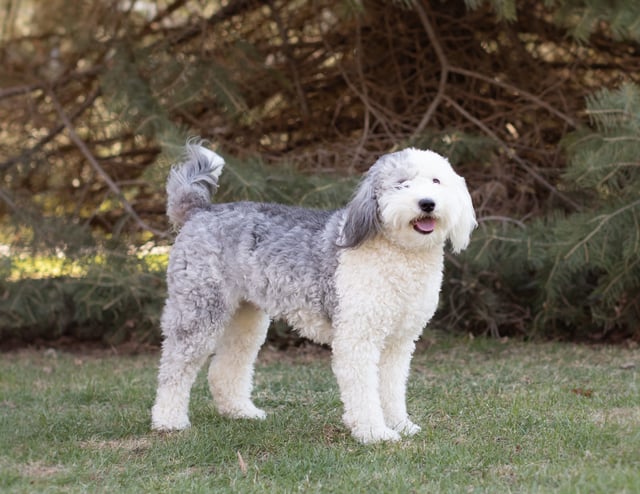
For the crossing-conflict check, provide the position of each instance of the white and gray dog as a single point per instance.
(363, 279)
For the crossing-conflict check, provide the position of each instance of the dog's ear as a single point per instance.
(460, 233)
(362, 220)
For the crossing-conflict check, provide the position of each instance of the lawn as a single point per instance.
(496, 417)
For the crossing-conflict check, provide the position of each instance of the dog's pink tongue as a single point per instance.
(425, 225)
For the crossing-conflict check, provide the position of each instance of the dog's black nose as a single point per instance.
(427, 205)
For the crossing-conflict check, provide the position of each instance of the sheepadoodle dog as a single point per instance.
(363, 279)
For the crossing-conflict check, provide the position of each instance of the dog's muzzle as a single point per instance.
(425, 224)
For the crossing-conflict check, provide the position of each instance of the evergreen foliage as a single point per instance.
(571, 275)
(581, 18)
(593, 267)
(109, 300)
(97, 98)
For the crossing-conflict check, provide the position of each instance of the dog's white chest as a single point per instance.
(391, 288)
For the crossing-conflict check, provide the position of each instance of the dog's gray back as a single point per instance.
(281, 258)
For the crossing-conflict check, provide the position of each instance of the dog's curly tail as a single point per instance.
(192, 182)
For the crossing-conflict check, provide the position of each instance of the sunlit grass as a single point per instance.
(25, 266)
(39, 267)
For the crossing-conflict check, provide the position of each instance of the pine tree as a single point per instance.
(595, 254)
(571, 275)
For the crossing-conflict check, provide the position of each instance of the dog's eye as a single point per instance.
(436, 180)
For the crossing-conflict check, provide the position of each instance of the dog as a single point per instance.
(364, 279)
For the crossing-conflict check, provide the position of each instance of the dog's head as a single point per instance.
(415, 199)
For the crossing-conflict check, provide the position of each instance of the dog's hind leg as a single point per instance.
(189, 341)
(231, 369)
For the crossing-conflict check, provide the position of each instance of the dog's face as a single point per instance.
(415, 199)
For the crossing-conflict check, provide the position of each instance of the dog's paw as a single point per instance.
(242, 411)
(252, 413)
(368, 435)
(407, 428)
(166, 423)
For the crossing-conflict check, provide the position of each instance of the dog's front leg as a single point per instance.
(394, 371)
(355, 364)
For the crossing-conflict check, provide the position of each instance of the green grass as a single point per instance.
(496, 417)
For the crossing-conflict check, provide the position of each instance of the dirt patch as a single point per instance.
(622, 416)
(75, 346)
(305, 353)
(39, 470)
(133, 445)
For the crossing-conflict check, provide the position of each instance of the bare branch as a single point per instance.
(518, 91)
(12, 91)
(7, 200)
(444, 68)
(18, 90)
(52, 133)
(288, 53)
(75, 138)
(512, 154)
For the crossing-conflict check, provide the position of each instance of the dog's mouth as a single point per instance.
(424, 225)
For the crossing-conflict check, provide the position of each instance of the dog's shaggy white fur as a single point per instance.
(364, 279)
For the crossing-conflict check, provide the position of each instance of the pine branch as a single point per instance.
(602, 221)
